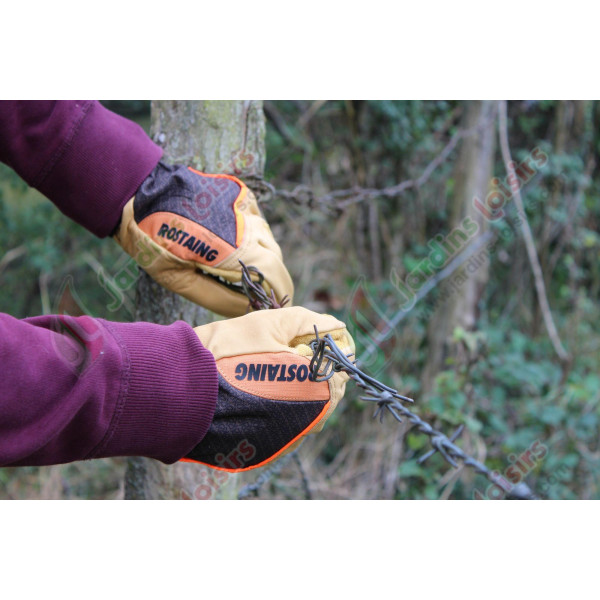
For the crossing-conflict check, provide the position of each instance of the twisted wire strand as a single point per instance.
(328, 359)
(257, 297)
(389, 400)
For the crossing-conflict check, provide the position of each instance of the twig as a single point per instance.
(452, 266)
(44, 293)
(11, 255)
(528, 238)
(344, 198)
(305, 484)
(310, 113)
(279, 122)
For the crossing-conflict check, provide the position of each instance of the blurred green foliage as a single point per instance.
(506, 386)
(511, 391)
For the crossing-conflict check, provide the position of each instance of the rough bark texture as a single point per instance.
(214, 137)
(472, 176)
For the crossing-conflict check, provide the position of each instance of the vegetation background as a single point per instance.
(479, 356)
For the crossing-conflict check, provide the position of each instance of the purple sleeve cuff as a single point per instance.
(86, 159)
(75, 388)
(168, 395)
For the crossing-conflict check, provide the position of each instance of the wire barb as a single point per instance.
(255, 292)
(325, 350)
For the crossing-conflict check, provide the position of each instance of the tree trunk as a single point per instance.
(472, 175)
(213, 137)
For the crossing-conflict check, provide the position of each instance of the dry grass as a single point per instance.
(99, 479)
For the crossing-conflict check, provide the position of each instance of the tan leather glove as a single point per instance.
(188, 231)
(267, 401)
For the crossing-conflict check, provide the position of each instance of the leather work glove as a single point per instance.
(188, 231)
(267, 401)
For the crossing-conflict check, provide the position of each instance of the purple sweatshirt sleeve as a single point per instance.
(86, 159)
(80, 388)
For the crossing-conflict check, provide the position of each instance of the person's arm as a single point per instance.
(233, 395)
(79, 388)
(186, 229)
(86, 159)
(82, 388)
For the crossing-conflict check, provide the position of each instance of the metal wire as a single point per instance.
(255, 292)
(388, 400)
(326, 351)
(328, 359)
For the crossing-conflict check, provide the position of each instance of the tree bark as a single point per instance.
(472, 175)
(213, 137)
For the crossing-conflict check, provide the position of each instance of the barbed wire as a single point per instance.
(329, 359)
(255, 292)
(337, 200)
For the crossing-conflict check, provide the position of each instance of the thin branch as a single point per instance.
(358, 194)
(310, 113)
(341, 199)
(44, 293)
(528, 237)
(279, 122)
(303, 475)
(98, 268)
(12, 255)
(452, 266)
